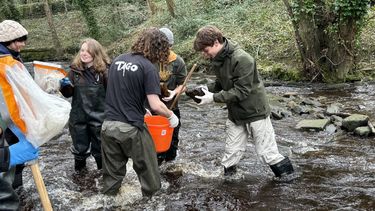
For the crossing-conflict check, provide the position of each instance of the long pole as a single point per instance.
(38, 179)
(183, 86)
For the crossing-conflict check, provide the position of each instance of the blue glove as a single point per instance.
(65, 82)
(22, 151)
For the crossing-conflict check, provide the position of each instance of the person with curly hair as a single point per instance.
(132, 80)
(86, 84)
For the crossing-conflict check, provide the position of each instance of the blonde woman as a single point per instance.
(86, 84)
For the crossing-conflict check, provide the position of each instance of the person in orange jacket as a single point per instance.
(13, 38)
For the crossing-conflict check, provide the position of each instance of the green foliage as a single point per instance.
(335, 11)
(87, 12)
(36, 10)
(281, 72)
(351, 9)
(261, 27)
(8, 10)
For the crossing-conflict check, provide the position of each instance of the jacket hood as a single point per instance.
(5, 50)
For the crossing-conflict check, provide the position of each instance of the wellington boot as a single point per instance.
(99, 162)
(79, 165)
(282, 168)
(230, 171)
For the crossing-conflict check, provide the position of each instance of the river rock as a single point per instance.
(313, 124)
(362, 131)
(195, 92)
(331, 128)
(356, 120)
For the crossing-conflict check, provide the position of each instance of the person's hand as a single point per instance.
(173, 120)
(148, 112)
(22, 151)
(65, 82)
(172, 93)
(208, 96)
(202, 87)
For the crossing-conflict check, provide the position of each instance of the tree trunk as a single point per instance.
(151, 6)
(327, 53)
(171, 7)
(56, 41)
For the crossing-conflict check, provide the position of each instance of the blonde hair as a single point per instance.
(98, 53)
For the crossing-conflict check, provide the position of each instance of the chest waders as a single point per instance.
(86, 118)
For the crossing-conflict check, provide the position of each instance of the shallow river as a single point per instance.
(335, 171)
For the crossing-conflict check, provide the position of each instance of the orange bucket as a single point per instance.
(161, 133)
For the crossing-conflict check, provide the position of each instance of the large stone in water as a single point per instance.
(356, 120)
(313, 124)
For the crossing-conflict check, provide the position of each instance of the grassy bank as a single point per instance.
(262, 27)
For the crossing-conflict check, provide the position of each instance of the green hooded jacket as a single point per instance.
(239, 85)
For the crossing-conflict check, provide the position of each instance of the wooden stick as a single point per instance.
(183, 86)
(38, 179)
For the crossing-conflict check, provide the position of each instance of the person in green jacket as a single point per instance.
(239, 85)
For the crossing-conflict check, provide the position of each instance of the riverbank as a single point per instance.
(262, 28)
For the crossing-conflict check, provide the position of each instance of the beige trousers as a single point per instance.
(260, 132)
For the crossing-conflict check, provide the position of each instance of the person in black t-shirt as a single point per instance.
(132, 79)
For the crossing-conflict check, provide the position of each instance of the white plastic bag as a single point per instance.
(48, 75)
(45, 115)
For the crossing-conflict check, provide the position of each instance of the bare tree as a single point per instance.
(325, 33)
(151, 6)
(58, 48)
(171, 7)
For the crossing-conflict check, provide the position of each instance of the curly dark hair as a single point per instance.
(152, 44)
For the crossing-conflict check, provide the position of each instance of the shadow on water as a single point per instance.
(336, 171)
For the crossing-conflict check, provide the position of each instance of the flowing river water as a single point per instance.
(335, 170)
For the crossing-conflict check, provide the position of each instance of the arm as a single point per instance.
(243, 79)
(158, 106)
(180, 75)
(67, 90)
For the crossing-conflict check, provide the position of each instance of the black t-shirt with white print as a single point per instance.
(131, 78)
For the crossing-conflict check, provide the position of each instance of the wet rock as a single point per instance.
(276, 115)
(333, 109)
(337, 120)
(313, 124)
(311, 102)
(319, 116)
(361, 107)
(290, 94)
(362, 131)
(356, 120)
(371, 126)
(331, 128)
(195, 92)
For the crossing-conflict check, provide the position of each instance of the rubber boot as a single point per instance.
(17, 182)
(79, 164)
(99, 162)
(282, 168)
(231, 170)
